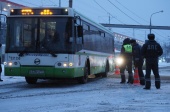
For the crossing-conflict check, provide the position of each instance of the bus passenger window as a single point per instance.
(80, 31)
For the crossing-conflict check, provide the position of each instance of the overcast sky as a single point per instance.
(136, 12)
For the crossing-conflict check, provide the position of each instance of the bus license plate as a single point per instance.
(36, 72)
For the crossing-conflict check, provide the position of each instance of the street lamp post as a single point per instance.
(151, 17)
(59, 3)
(70, 3)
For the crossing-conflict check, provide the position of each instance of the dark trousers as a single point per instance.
(152, 64)
(140, 70)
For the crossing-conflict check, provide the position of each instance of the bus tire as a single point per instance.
(31, 80)
(106, 70)
(84, 79)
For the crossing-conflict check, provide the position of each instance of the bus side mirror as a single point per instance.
(80, 31)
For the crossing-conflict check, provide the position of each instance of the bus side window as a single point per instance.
(79, 39)
(80, 31)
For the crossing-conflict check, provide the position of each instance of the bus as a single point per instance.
(80, 47)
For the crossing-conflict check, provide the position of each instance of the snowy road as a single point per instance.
(98, 95)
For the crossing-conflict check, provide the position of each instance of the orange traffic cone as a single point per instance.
(136, 80)
(117, 70)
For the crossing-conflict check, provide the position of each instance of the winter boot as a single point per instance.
(147, 85)
(130, 78)
(157, 84)
(0, 77)
(123, 79)
(142, 81)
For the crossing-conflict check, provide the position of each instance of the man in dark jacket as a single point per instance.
(151, 50)
(126, 54)
(138, 59)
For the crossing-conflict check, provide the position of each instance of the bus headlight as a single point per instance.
(119, 60)
(64, 64)
(70, 64)
(10, 64)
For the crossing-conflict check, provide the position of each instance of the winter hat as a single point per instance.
(132, 41)
(151, 36)
(126, 41)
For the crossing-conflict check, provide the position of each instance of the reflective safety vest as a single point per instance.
(128, 48)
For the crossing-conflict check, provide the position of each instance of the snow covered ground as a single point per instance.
(98, 95)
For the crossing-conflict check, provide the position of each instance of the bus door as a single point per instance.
(78, 32)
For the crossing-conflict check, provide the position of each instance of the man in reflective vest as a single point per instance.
(126, 54)
(151, 50)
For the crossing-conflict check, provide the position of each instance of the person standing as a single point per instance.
(138, 60)
(126, 54)
(151, 50)
(0, 61)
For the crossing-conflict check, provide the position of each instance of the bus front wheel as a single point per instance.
(31, 80)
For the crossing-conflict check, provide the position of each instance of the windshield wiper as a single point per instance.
(49, 51)
(21, 53)
(53, 54)
(24, 51)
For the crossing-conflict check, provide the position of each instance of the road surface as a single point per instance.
(98, 95)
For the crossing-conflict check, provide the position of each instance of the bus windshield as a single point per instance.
(39, 35)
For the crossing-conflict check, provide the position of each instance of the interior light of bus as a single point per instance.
(27, 12)
(70, 64)
(46, 12)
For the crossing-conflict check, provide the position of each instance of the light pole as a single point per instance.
(70, 3)
(59, 3)
(151, 17)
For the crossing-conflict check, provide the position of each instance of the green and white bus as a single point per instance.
(83, 47)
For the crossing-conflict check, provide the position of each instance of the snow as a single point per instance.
(100, 95)
(164, 64)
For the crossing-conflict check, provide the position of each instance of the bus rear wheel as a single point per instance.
(106, 70)
(31, 80)
(84, 79)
